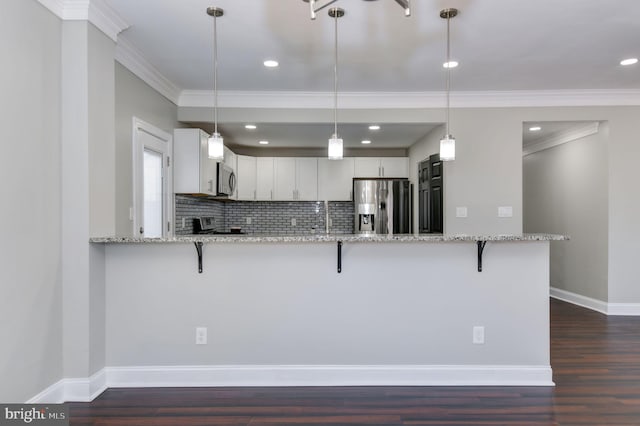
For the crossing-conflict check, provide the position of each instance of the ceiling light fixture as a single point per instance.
(314, 10)
(450, 64)
(250, 126)
(448, 142)
(263, 142)
(374, 127)
(365, 142)
(215, 143)
(630, 61)
(335, 143)
(535, 129)
(270, 63)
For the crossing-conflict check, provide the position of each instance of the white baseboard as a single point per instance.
(631, 309)
(86, 390)
(330, 375)
(54, 394)
(578, 299)
(73, 390)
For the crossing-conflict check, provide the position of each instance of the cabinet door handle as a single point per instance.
(351, 195)
(382, 167)
(210, 185)
(254, 194)
(271, 194)
(141, 230)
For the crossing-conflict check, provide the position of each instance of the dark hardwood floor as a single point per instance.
(595, 360)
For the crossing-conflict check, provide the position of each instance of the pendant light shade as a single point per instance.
(335, 148)
(335, 143)
(216, 147)
(216, 142)
(448, 142)
(447, 148)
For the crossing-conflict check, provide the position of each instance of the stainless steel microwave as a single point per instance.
(226, 180)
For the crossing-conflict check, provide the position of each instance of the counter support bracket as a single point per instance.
(481, 245)
(339, 256)
(198, 245)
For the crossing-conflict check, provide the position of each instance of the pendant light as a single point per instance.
(335, 143)
(215, 143)
(448, 142)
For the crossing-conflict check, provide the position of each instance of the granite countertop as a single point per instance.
(327, 238)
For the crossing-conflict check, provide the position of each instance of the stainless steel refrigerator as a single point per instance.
(382, 206)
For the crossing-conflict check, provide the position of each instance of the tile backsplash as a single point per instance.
(266, 217)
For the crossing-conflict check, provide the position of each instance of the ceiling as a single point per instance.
(548, 129)
(502, 45)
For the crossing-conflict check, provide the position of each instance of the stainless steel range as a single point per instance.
(207, 225)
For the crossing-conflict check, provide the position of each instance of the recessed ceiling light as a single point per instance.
(629, 61)
(450, 64)
(374, 127)
(270, 63)
(365, 142)
(535, 129)
(250, 126)
(264, 142)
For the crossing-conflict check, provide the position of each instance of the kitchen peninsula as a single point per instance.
(404, 310)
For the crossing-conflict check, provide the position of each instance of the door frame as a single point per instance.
(138, 147)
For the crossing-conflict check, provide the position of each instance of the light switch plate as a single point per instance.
(505, 211)
(461, 212)
(293, 221)
(248, 221)
(478, 335)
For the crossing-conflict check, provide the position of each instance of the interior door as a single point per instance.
(153, 192)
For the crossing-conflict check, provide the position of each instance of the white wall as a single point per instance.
(565, 191)
(291, 307)
(30, 259)
(134, 98)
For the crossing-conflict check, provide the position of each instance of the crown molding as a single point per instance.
(95, 11)
(384, 100)
(562, 138)
(134, 61)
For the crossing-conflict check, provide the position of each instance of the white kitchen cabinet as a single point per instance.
(193, 171)
(284, 187)
(335, 179)
(391, 167)
(295, 179)
(366, 167)
(264, 178)
(246, 177)
(307, 179)
(395, 167)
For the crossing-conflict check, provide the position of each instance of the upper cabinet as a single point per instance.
(335, 179)
(389, 167)
(193, 171)
(295, 178)
(309, 179)
(264, 178)
(246, 177)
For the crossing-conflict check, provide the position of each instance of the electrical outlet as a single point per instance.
(248, 221)
(461, 212)
(293, 221)
(505, 211)
(478, 335)
(201, 335)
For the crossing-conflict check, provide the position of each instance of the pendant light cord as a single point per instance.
(448, 72)
(215, 73)
(335, 78)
